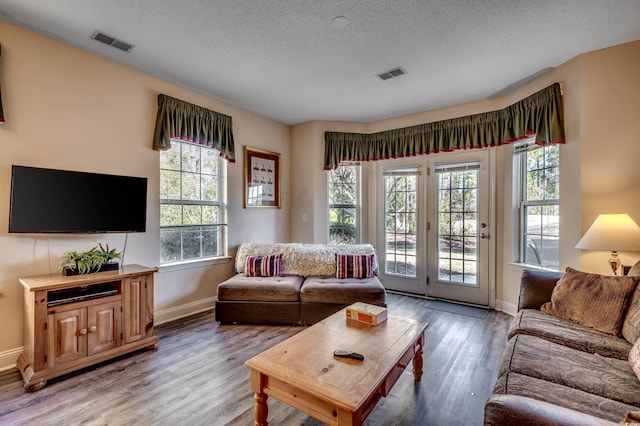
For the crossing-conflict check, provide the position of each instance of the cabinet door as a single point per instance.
(134, 308)
(66, 336)
(104, 327)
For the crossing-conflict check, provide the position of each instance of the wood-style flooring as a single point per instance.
(198, 377)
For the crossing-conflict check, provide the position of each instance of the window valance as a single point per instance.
(188, 122)
(540, 114)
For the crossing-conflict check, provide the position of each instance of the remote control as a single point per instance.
(348, 354)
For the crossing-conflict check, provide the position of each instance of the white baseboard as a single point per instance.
(177, 312)
(506, 307)
(8, 358)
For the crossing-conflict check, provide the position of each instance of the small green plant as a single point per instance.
(89, 260)
(108, 255)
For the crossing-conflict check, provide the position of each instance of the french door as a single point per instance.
(403, 230)
(436, 227)
(458, 249)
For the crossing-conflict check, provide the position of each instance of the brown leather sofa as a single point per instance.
(307, 292)
(559, 372)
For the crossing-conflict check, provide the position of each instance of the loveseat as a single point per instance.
(573, 352)
(292, 283)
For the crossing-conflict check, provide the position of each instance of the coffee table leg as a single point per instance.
(417, 359)
(261, 409)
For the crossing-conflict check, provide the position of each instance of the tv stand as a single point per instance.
(72, 322)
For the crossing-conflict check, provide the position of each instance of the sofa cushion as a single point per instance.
(263, 266)
(569, 333)
(607, 377)
(631, 324)
(542, 390)
(634, 358)
(262, 289)
(594, 300)
(343, 291)
(354, 265)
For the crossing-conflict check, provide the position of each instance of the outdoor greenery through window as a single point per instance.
(344, 204)
(192, 211)
(401, 220)
(458, 223)
(540, 205)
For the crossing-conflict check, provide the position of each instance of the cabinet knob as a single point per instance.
(92, 329)
(82, 331)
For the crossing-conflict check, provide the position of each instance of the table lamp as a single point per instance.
(615, 232)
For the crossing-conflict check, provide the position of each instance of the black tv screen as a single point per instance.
(63, 201)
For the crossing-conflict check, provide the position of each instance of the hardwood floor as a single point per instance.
(198, 377)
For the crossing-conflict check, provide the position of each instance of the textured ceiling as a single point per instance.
(283, 59)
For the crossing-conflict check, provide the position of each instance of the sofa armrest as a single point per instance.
(536, 287)
(511, 410)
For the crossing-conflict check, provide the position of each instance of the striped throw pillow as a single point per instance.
(354, 265)
(263, 266)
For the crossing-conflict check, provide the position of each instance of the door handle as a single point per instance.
(484, 236)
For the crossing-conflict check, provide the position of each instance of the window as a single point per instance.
(344, 204)
(192, 203)
(401, 219)
(457, 206)
(539, 204)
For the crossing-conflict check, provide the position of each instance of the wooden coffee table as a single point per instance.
(302, 371)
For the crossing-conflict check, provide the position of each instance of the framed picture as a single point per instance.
(261, 178)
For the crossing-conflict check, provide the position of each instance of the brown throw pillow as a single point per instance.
(594, 300)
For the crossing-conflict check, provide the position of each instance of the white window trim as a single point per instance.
(223, 227)
(519, 152)
(357, 206)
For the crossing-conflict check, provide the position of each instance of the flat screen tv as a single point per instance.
(63, 201)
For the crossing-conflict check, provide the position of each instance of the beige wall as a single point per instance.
(610, 140)
(69, 109)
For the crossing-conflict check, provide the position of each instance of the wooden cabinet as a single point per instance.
(77, 333)
(76, 321)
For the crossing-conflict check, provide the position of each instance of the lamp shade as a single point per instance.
(615, 232)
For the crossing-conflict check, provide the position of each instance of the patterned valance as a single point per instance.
(540, 114)
(192, 123)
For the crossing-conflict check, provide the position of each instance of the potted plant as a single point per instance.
(108, 258)
(96, 259)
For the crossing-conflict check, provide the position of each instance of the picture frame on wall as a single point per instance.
(261, 178)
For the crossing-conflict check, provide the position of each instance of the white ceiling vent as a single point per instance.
(395, 72)
(111, 41)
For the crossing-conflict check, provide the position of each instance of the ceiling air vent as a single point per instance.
(112, 41)
(395, 72)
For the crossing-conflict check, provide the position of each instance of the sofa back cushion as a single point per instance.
(631, 324)
(635, 270)
(594, 300)
(634, 358)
